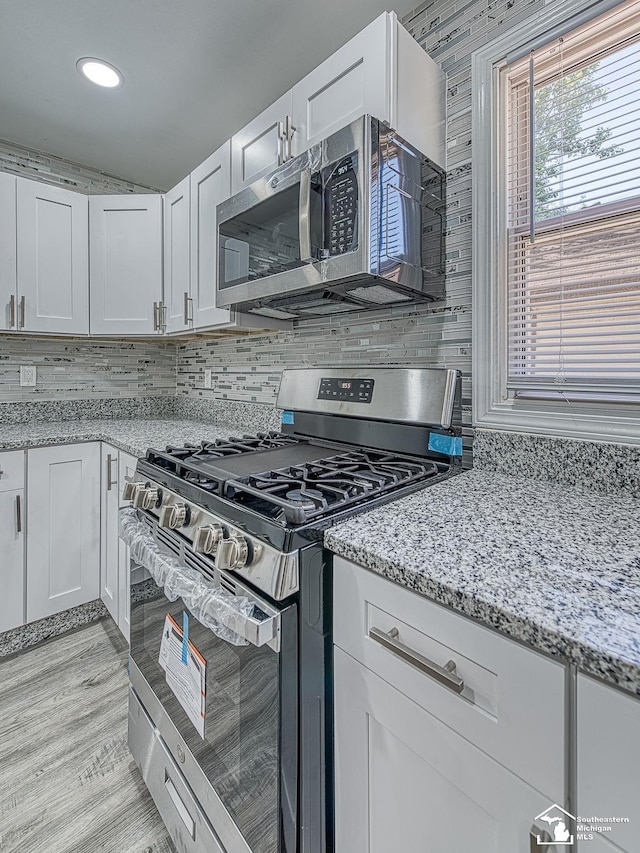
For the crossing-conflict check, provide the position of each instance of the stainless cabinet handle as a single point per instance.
(21, 313)
(162, 314)
(280, 129)
(12, 311)
(110, 481)
(289, 130)
(445, 675)
(188, 309)
(155, 316)
(18, 514)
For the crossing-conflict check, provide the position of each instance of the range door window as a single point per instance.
(250, 731)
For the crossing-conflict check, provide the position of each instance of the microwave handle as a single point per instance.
(305, 217)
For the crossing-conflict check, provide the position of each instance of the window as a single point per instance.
(559, 292)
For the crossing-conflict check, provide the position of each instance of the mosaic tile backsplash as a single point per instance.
(52, 170)
(437, 335)
(78, 369)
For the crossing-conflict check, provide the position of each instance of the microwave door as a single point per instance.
(263, 240)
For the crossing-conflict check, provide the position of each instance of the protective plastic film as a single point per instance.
(217, 609)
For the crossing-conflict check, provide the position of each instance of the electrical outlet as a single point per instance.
(207, 377)
(27, 375)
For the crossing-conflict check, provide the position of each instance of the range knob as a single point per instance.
(147, 497)
(207, 538)
(232, 553)
(174, 515)
(130, 489)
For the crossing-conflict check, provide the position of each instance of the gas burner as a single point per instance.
(300, 493)
(307, 497)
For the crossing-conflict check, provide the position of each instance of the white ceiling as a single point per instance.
(195, 72)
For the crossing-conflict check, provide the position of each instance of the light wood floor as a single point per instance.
(68, 783)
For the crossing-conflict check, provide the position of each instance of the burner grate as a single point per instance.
(187, 461)
(300, 493)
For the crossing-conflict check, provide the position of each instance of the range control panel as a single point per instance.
(341, 205)
(352, 390)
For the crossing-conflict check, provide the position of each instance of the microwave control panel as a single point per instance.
(348, 390)
(341, 200)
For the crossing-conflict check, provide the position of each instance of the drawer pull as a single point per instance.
(182, 810)
(445, 675)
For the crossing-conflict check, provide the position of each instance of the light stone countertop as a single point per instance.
(134, 436)
(553, 565)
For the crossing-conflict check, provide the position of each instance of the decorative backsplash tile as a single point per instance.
(79, 369)
(53, 170)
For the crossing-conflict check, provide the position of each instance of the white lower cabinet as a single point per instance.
(63, 528)
(115, 580)
(609, 765)
(407, 782)
(12, 565)
(109, 550)
(448, 737)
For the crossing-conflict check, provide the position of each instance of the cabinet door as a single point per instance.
(8, 305)
(109, 541)
(52, 259)
(125, 236)
(351, 82)
(407, 782)
(609, 761)
(177, 275)
(12, 562)
(210, 185)
(63, 528)
(259, 147)
(127, 469)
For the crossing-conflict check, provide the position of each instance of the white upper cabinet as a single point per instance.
(262, 145)
(351, 82)
(381, 71)
(126, 264)
(8, 291)
(177, 274)
(52, 259)
(210, 185)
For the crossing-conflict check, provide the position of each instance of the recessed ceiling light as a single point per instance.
(99, 72)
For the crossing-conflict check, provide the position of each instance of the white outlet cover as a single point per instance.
(27, 376)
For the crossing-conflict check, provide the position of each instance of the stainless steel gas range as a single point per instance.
(231, 665)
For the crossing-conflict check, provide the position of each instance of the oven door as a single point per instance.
(241, 764)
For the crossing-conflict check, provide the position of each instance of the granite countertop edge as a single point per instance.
(592, 617)
(133, 436)
(589, 659)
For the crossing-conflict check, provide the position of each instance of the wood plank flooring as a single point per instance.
(68, 783)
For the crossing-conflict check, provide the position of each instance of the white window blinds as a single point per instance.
(573, 213)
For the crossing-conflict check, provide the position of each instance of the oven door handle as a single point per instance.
(305, 217)
(230, 617)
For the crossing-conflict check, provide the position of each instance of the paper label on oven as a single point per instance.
(186, 680)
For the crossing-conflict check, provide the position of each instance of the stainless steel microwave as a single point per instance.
(355, 222)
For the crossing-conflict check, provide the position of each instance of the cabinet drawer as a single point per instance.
(11, 470)
(511, 704)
